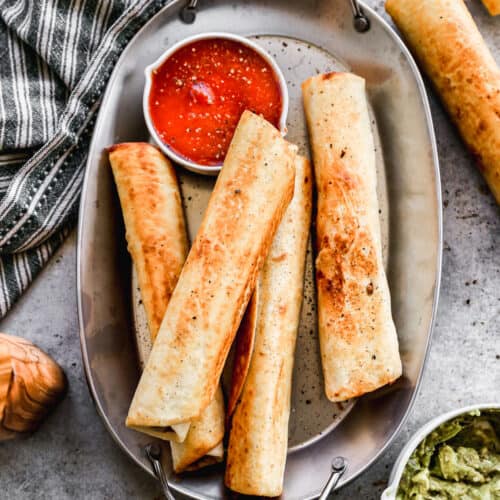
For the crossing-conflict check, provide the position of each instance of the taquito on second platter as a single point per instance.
(259, 430)
(449, 47)
(252, 192)
(493, 6)
(359, 345)
(157, 240)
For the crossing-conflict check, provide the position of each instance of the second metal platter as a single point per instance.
(305, 37)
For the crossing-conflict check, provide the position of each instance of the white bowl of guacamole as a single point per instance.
(454, 456)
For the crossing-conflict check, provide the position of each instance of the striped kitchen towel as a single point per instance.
(56, 57)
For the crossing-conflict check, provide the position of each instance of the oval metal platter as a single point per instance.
(305, 37)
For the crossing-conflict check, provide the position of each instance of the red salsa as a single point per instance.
(199, 93)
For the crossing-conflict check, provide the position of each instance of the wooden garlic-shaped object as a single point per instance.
(31, 383)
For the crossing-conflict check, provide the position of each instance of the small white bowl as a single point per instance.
(400, 464)
(190, 165)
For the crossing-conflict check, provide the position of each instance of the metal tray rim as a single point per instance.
(438, 264)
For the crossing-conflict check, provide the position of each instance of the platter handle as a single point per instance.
(361, 22)
(339, 466)
(188, 12)
(153, 452)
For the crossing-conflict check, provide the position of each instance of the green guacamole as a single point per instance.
(458, 460)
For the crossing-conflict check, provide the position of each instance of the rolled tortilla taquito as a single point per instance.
(259, 432)
(202, 442)
(154, 222)
(252, 192)
(155, 232)
(449, 47)
(157, 240)
(358, 341)
(493, 6)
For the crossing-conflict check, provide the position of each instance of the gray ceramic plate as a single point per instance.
(305, 36)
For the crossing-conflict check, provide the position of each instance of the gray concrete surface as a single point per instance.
(72, 456)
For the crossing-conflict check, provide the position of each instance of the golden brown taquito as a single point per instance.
(259, 430)
(450, 49)
(493, 6)
(359, 346)
(252, 192)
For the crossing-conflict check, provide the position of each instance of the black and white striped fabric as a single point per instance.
(55, 59)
